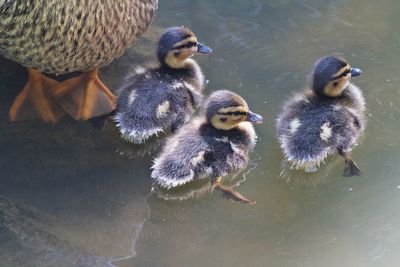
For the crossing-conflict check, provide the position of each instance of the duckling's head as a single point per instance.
(224, 110)
(331, 76)
(177, 44)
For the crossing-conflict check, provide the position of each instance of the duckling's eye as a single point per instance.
(190, 45)
(234, 113)
(238, 113)
(344, 74)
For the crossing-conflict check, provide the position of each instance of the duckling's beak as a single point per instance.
(355, 72)
(254, 118)
(201, 48)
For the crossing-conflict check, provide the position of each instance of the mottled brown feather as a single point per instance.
(61, 36)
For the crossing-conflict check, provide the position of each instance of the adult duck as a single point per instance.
(63, 36)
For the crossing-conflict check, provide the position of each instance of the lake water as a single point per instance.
(71, 195)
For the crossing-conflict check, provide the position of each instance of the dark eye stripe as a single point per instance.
(341, 75)
(187, 45)
(235, 113)
(344, 73)
(191, 44)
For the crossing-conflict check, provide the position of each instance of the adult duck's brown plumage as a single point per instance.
(62, 36)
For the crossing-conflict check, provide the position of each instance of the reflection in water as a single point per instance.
(195, 190)
(202, 187)
(130, 150)
(291, 175)
(85, 205)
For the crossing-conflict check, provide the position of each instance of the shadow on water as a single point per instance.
(67, 198)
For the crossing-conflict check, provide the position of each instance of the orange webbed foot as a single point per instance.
(229, 193)
(35, 100)
(85, 96)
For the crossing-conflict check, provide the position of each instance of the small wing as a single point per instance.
(196, 96)
(306, 133)
(149, 106)
(183, 158)
(137, 108)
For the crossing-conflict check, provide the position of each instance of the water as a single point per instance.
(68, 199)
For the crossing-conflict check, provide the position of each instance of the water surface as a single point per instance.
(67, 198)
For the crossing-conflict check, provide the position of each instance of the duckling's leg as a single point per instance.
(85, 96)
(35, 96)
(228, 191)
(350, 167)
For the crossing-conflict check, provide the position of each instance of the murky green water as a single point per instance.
(68, 199)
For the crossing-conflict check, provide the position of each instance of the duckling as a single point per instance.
(57, 37)
(212, 145)
(327, 118)
(163, 96)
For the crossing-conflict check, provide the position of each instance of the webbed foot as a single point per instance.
(229, 193)
(35, 100)
(85, 96)
(351, 168)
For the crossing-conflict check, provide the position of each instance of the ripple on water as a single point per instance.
(384, 106)
(29, 232)
(302, 178)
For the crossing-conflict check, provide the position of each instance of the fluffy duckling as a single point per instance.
(163, 96)
(327, 118)
(212, 145)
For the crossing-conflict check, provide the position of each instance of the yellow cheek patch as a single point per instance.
(178, 61)
(185, 53)
(335, 88)
(172, 61)
(176, 57)
(223, 122)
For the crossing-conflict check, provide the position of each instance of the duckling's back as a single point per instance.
(151, 102)
(310, 128)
